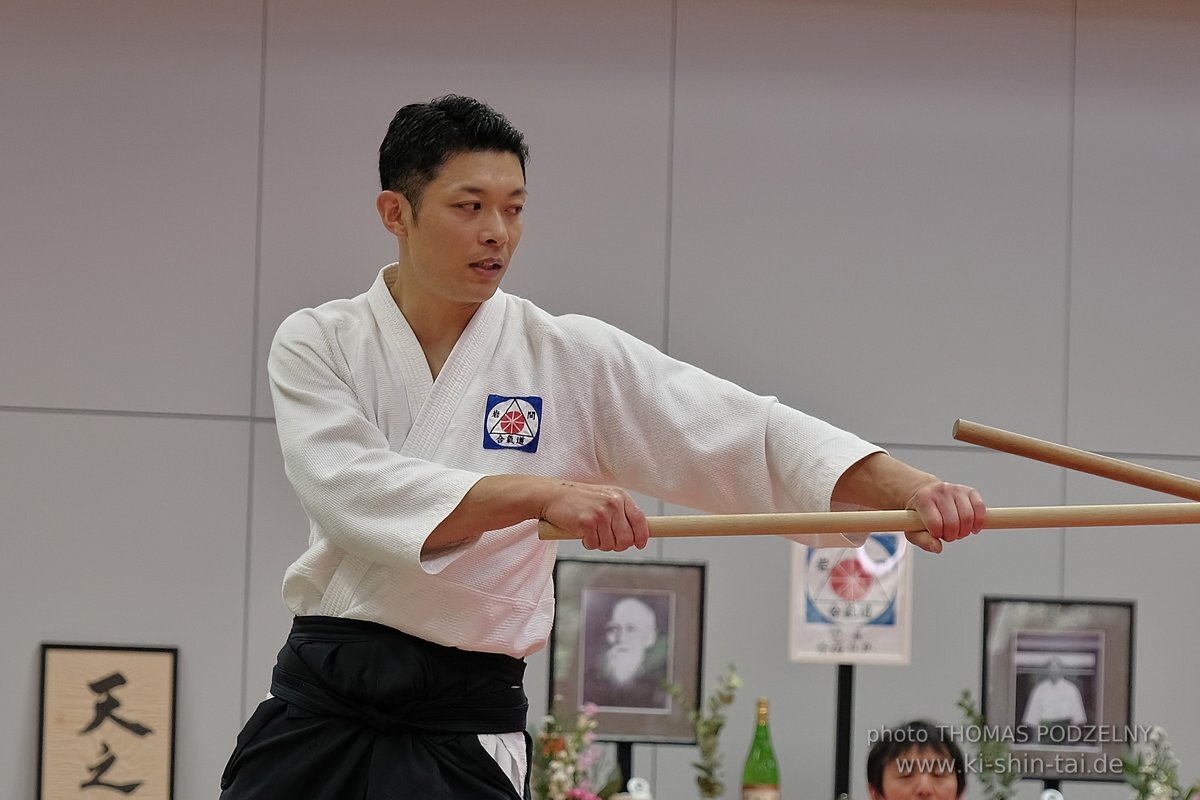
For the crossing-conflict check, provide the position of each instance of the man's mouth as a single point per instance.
(487, 264)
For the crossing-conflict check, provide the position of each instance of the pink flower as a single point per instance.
(581, 794)
(590, 709)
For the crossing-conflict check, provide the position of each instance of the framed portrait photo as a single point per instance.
(622, 630)
(1058, 682)
(107, 722)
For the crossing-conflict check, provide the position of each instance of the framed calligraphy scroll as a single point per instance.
(107, 721)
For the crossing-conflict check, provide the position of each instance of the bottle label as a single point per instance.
(760, 793)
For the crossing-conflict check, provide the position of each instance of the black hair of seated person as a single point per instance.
(915, 735)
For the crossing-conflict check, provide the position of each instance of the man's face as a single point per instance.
(629, 632)
(919, 772)
(466, 229)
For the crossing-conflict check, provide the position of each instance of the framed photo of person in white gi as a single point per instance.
(622, 631)
(1058, 683)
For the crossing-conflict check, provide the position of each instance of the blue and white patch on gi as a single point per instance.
(512, 423)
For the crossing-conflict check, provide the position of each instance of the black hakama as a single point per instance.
(361, 711)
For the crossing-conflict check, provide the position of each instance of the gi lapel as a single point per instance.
(431, 403)
(470, 354)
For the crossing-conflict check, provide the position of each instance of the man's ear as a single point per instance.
(874, 794)
(394, 212)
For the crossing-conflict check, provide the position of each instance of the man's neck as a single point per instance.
(437, 324)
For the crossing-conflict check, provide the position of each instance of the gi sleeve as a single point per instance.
(674, 431)
(369, 500)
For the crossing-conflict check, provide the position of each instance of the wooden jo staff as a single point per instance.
(1080, 460)
(984, 436)
(874, 521)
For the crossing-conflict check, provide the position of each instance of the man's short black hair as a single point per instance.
(918, 734)
(422, 136)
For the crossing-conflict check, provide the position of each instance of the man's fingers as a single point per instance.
(931, 515)
(966, 514)
(980, 511)
(924, 540)
(609, 520)
(623, 537)
(949, 511)
(591, 540)
(639, 525)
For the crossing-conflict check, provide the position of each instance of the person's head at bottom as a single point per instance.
(916, 760)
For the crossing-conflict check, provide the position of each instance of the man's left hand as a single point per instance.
(950, 512)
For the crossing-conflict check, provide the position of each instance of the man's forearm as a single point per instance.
(494, 502)
(880, 481)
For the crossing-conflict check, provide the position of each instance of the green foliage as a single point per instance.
(707, 723)
(994, 757)
(1152, 770)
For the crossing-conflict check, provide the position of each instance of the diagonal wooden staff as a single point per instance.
(1062, 456)
(873, 521)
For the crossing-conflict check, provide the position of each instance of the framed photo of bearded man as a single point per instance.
(622, 631)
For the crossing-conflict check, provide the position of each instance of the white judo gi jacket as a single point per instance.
(379, 454)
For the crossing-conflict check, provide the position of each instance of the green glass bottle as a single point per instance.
(760, 779)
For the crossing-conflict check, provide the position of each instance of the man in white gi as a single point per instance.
(1055, 706)
(428, 424)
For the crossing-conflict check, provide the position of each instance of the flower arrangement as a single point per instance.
(707, 725)
(993, 756)
(565, 758)
(1152, 770)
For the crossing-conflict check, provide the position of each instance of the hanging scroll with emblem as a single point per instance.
(852, 605)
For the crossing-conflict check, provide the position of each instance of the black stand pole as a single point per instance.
(1052, 783)
(845, 722)
(625, 761)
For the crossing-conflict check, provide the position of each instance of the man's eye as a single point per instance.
(470, 206)
(515, 210)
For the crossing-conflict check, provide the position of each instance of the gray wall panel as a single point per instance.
(123, 530)
(871, 204)
(1135, 272)
(130, 160)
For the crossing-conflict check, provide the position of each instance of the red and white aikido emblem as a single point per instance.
(512, 423)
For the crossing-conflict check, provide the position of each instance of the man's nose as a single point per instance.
(494, 230)
(923, 785)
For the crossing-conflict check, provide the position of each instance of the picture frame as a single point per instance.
(621, 630)
(1057, 680)
(107, 721)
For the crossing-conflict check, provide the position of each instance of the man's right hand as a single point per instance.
(604, 517)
